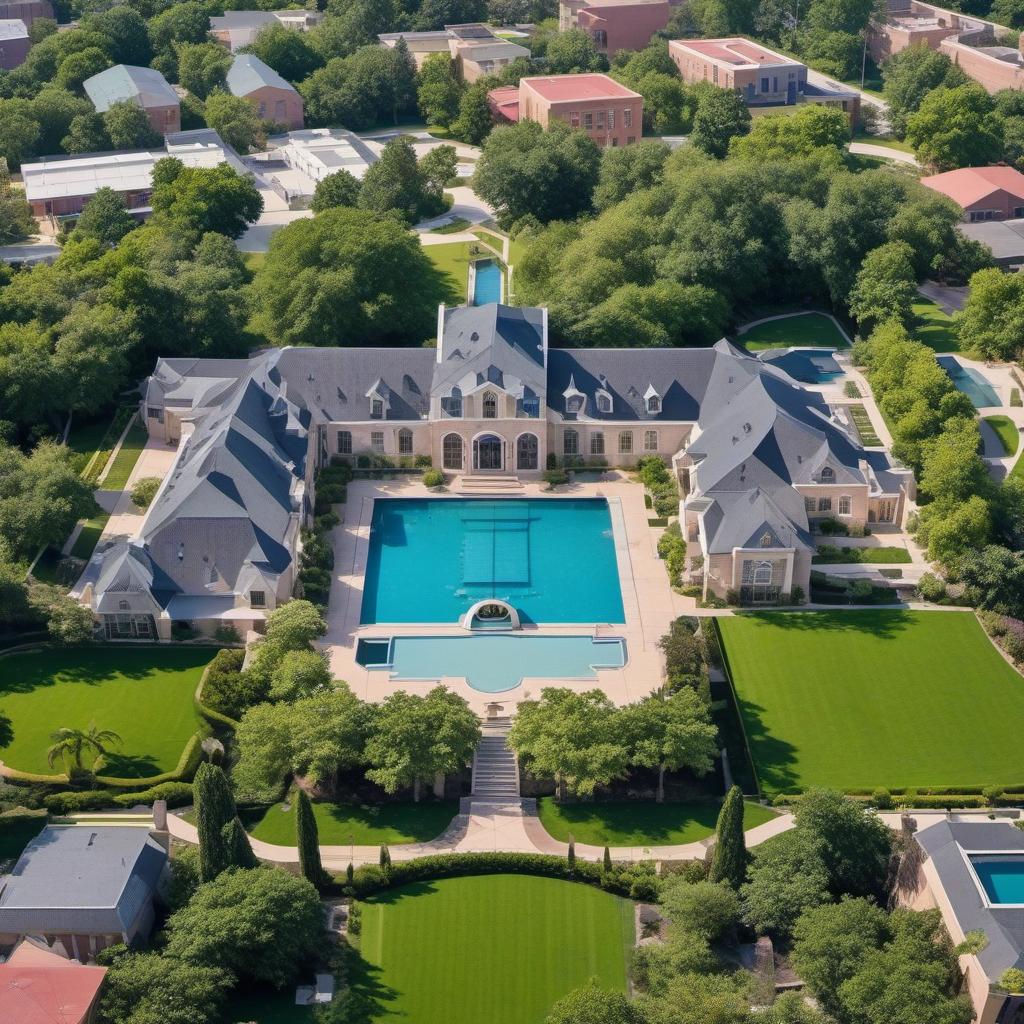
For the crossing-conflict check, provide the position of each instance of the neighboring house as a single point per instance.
(38, 985)
(143, 86)
(476, 50)
(964, 864)
(761, 76)
(606, 110)
(971, 42)
(274, 98)
(58, 187)
(985, 193)
(84, 886)
(623, 26)
(758, 457)
(14, 43)
(315, 153)
(26, 10)
(236, 29)
(1004, 237)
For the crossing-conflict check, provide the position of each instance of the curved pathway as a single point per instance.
(885, 152)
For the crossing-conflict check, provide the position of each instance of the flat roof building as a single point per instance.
(144, 87)
(476, 50)
(606, 110)
(274, 99)
(314, 153)
(615, 25)
(985, 193)
(235, 29)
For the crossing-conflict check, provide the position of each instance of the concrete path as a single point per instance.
(466, 204)
(885, 152)
(37, 250)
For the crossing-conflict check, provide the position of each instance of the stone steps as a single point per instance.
(502, 485)
(495, 769)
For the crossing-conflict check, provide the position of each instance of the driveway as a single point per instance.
(949, 298)
(466, 204)
(38, 250)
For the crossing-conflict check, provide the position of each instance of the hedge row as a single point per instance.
(211, 715)
(185, 768)
(636, 881)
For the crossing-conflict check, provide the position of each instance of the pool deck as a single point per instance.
(649, 602)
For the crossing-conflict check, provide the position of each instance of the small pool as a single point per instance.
(1001, 876)
(972, 383)
(491, 664)
(486, 283)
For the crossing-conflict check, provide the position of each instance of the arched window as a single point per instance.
(828, 474)
(763, 574)
(405, 441)
(451, 451)
(845, 505)
(526, 451)
(766, 540)
(490, 405)
(570, 443)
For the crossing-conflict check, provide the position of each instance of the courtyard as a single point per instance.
(144, 694)
(495, 948)
(865, 699)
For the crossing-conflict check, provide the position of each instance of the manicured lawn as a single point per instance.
(362, 824)
(862, 421)
(638, 823)
(798, 329)
(143, 693)
(933, 327)
(1007, 432)
(88, 537)
(91, 442)
(495, 948)
(125, 460)
(859, 699)
(452, 260)
(863, 556)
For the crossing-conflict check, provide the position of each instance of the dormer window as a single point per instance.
(766, 540)
(123, 606)
(452, 405)
(652, 401)
(828, 474)
(490, 405)
(604, 402)
(574, 404)
(376, 409)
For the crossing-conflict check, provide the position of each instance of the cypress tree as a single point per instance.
(215, 807)
(571, 855)
(729, 858)
(350, 873)
(308, 840)
(237, 845)
(385, 857)
(607, 860)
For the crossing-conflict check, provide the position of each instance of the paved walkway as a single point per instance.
(885, 152)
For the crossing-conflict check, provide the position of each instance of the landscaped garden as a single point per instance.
(862, 422)
(831, 554)
(363, 824)
(637, 822)
(495, 948)
(796, 330)
(143, 694)
(876, 698)
(124, 462)
(1006, 431)
(933, 327)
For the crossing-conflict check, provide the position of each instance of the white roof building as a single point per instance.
(316, 152)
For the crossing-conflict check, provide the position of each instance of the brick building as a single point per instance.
(143, 86)
(274, 98)
(616, 26)
(985, 193)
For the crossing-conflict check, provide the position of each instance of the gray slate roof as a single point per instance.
(144, 86)
(248, 73)
(1004, 929)
(81, 879)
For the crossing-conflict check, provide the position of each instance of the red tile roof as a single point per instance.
(559, 88)
(38, 986)
(969, 185)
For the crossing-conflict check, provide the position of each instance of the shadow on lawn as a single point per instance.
(130, 766)
(367, 995)
(773, 756)
(886, 623)
(645, 824)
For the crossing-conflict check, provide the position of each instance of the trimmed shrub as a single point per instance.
(177, 794)
(555, 477)
(82, 800)
(226, 634)
(227, 689)
(931, 587)
(433, 478)
(144, 491)
(672, 551)
(882, 799)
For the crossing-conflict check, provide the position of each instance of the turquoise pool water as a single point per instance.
(970, 382)
(552, 559)
(491, 664)
(1002, 877)
(487, 286)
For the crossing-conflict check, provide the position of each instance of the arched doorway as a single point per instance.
(488, 453)
(451, 451)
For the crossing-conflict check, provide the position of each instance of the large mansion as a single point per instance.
(758, 457)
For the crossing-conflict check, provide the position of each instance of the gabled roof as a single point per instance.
(969, 185)
(248, 73)
(145, 86)
(39, 986)
(81, 879)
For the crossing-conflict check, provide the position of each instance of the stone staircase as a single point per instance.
(495, 769)
(496, 485)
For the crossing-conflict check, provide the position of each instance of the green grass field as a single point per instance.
(798, 329)
(637, 822)
(452, 260)
(862, 556)
(495, 948)
(1007, 432)
(859, 699)
(934, 328)
(89, 536)
(362, 824)
(143, 693)
(124, 461)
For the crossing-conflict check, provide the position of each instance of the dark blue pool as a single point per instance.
(487, 285)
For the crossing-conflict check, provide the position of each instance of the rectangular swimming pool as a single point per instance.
(491, 664)
(1001, 876)
(487, 283)
(972, 383)
(431, 559)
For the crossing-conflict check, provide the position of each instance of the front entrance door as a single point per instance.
(488, 453)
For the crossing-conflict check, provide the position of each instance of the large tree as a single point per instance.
(721, 116)
(416, 738)
(991, 323)
(956, 127)
(338, 189)
(574, 51)
(105, 218)
(550, 175)
(593, 1005)
(347, 277)
(886, 286)
(288, 52)
(127, 126)
(202, 199)
(910, 75)
(573, 737)
(203, 67)
(439, 90)
(234, 118)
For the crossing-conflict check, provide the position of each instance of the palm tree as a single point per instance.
(74, 742)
